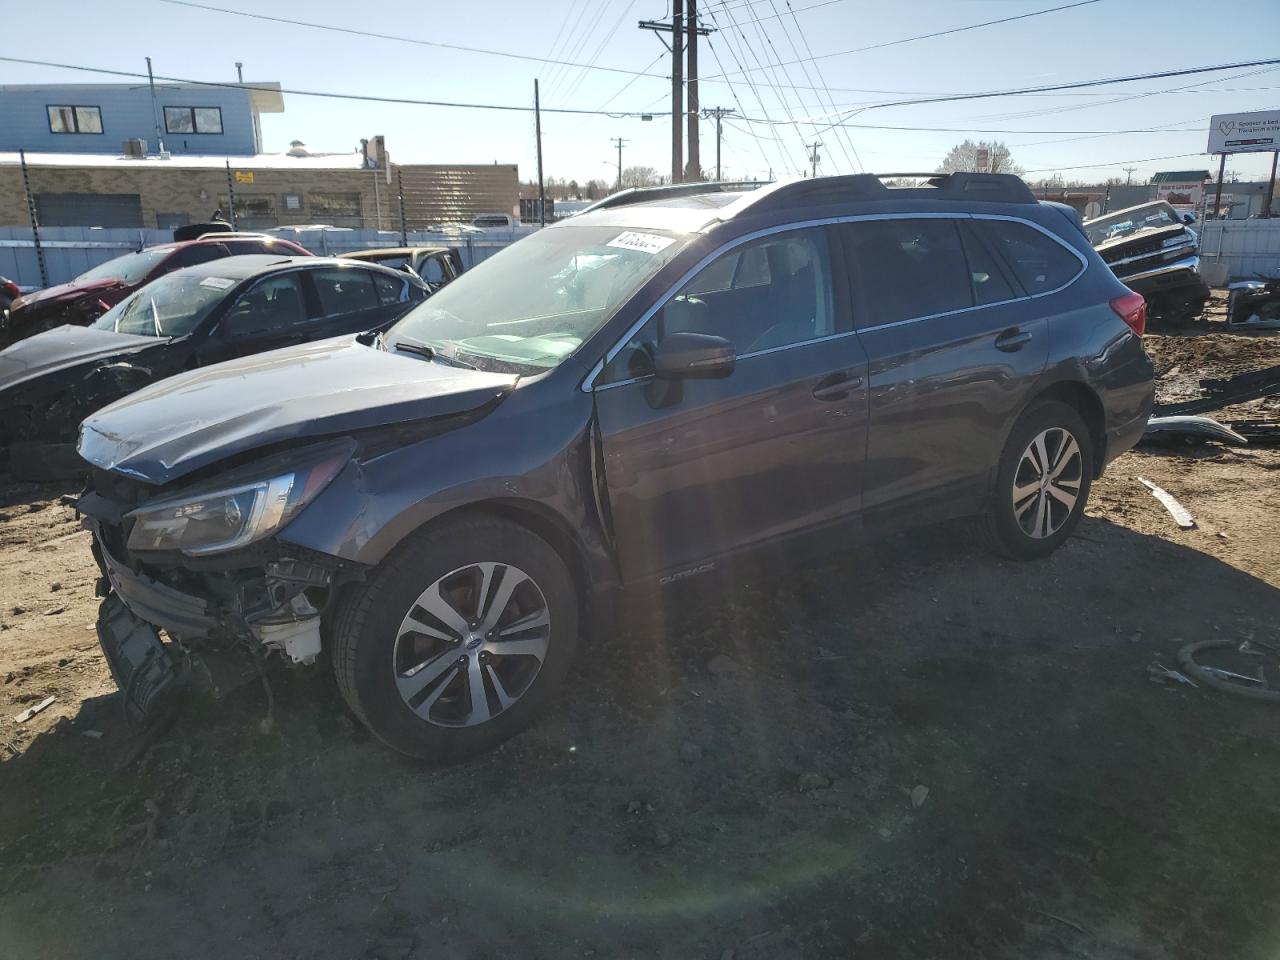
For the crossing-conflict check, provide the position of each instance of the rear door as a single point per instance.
(775, 447)
(953, 345)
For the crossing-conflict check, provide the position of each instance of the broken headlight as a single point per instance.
(233, 514)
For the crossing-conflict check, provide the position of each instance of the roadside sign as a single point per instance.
(1257, 132)
(244, 176)
(1184, 197)
(983, 159)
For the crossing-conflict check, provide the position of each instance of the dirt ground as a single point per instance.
(912, 751)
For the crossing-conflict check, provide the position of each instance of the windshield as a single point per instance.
(530, 306)
(130, 268)
(172, 306)
(1128, 222)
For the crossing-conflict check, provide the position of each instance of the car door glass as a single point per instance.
(344, 290)
(269, 307)
(1040, 263)
(242, 248)
(432, 271)
(908, 268)
(985, 273)
(391, 289)
(194, 254)
(778, 294)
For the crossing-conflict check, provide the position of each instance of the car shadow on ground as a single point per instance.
(912, 750)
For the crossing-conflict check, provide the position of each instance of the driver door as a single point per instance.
(272, 313)
(698, 468)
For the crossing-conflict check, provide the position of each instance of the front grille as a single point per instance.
(1144, 248)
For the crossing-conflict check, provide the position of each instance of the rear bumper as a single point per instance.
(1123, 438)
(1182, 277)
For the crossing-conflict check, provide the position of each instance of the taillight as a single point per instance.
(1132, 309)
(11, 289)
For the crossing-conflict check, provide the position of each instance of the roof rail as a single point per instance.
(820, 191)
(632, 195)
(234, 235)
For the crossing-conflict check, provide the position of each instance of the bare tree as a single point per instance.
(639, 177)
(964, 157)
(596, 189)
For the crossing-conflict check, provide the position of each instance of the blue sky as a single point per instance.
(1106, 38)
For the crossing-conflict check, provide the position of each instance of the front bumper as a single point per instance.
(1182, 276)
(143, 667)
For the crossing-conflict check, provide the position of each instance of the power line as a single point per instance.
(944, 33)
(1114, 163)
(844, 139)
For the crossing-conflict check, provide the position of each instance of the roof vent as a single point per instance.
(134, 148)
(298, 149)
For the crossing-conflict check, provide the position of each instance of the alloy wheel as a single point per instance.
(1046, 485)
(471, 644)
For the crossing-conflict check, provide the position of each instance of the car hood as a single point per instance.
(176, 426)
(63, 348)
(68, 291)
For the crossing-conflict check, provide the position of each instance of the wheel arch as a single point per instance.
(1082, 398)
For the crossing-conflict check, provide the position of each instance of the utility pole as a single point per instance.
(718, 114)
(618, 141)
(537, 126)
(1128, 175)
(677, 27)
(239, 72)
(813, 157)
(693, 172)
(155, 109)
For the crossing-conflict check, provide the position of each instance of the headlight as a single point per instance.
(213, 520)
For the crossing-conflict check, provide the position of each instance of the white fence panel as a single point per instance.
(1247, 248)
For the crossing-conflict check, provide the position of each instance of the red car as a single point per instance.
(96, 291)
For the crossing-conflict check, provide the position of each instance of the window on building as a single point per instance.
(253, 211)
(75, 119)
(181, 120)
(334, 205)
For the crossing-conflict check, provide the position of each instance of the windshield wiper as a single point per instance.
(417, 349)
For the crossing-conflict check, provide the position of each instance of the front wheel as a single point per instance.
(1042, 483)
(458, 639)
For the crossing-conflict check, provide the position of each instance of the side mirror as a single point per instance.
(690, 356)
(1188, 218)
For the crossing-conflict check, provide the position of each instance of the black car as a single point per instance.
(190, 318)
(670, 383)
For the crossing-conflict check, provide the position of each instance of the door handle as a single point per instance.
(836, 387)
(1012, 340)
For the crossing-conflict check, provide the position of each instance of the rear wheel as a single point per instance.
(458, 639)
(1042, 483)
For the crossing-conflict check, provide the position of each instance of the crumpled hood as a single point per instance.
(179, 425)
(63, 348)
(67, 291)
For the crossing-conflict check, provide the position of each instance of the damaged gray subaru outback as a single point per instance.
(674, 381)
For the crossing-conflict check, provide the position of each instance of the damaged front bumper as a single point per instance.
(223, 622)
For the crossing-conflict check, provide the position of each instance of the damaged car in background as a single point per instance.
(81, 301)
(673, 383)
(191, 318)
(1155, 252)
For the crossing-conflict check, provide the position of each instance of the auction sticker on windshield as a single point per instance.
(219, 283)
(642, 242)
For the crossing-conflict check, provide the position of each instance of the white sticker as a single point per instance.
(218, 283)
(642, 242)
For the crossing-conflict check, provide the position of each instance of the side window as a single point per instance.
(908, 268)
(1038, 262)
(773, 292)
(196, 253)
(985, 272)
(240, 248)
(268, 307)
(344, 290)
(390, 289)
(432, 271)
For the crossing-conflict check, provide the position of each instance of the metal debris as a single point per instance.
(30, 712)
(1179, 513)
(1192, 427)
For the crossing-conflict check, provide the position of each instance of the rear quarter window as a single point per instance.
(1039, 262)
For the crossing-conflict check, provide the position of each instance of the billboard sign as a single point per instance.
(1257, 132)
(1183, 197)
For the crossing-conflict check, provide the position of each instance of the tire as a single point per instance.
(410, 675)
(1027, 523)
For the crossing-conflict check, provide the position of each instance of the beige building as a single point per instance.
(269, 190)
